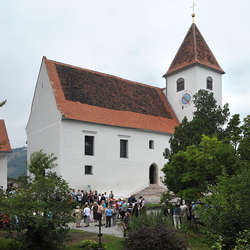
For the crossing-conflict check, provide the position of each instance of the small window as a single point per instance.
(209, 83)
(89, 145)
(123, 149)
(88, 169)
(180, 84)
(151, 144)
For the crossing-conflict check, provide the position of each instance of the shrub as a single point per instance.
(153, 231)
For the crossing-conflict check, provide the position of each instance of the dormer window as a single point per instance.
(180, 84)
(209, 83)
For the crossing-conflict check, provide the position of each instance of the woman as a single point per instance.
(94, 208)
(86, 212)
(108, 214)
(77, 214)
(104, 210)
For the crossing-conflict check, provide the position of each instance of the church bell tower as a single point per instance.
(194, 67)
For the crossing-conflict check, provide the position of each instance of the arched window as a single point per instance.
(209, 83)
(180, 84)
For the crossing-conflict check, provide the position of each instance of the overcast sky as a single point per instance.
(136, 40)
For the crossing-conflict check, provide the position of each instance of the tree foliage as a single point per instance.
(226, 212)
(191, 173)
(40, 211)
(209, 119)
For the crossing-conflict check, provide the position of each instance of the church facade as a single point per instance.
(110, 133)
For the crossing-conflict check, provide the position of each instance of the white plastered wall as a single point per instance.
(43, 127)
(110, 172)
(195, 79)
(3, 170)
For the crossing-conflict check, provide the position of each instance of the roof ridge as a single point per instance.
(195, 44)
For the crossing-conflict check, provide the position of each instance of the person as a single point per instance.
(108, 214)
(135, 211)
(94, 208)
(111, 195)
(77, 214)
(95, 196)
(143, 205)
(176, 216)
(114, 214)
(91, 196)
(86, 212)
(132, 198)
(126, 224)
(99, 212)
(79, 197)
(104, 210)
(130, 206)
(188, 211)
(99, 201)
(119, 208)
(123, 209)
(106, 198)
(74, 195)
(83, 198)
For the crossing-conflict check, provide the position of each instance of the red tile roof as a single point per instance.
(193, 51)
(4, 138)
(95, 97)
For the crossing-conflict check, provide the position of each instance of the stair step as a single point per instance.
(152, 193)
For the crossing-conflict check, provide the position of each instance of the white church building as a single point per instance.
(110, 133)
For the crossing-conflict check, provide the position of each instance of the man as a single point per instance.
(123, 209)
(126, 224)
(106, 198)
(176, 216)
(100, 212)
(132, 198)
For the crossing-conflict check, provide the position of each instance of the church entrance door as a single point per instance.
(152, 174)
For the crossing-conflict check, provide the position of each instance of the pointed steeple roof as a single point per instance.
(193, 51)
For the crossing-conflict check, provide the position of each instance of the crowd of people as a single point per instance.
(94, 207)
(186, 211)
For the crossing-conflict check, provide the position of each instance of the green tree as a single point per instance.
(226, 211)
(209, 119)
(233, 131)
(191, 173)
(244, 146)
(40, 162)
(40, 212)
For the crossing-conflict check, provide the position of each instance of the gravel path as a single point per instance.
(113, 230)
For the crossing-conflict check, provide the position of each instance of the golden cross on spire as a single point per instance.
(193, 15)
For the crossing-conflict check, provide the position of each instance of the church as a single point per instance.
(110, 133)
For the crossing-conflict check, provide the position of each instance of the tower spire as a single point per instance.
(193, 15)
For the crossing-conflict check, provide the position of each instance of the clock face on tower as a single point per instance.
(186, 98)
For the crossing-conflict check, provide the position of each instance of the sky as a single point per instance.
(136, 40)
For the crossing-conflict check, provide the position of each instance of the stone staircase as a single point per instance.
(151, 194)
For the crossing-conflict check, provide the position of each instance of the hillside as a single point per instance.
(17, 162)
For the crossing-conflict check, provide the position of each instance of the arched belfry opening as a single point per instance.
(152, 174)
